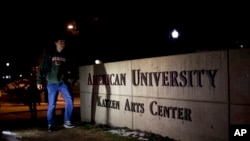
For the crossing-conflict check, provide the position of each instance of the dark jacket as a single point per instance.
(33, 93)
(55, 67)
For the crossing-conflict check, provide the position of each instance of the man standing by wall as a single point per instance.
(56, 67)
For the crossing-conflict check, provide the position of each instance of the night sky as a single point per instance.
(122, 31)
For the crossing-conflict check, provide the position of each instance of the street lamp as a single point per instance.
(72, 28)
(97, 61)
(175, 34)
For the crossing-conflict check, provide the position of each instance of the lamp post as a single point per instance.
(174, 34)
(175, 42)
(72, 28)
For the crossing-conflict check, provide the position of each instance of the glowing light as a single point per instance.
(8, 77)
(98, 61)
(175, 34)
(70, 26)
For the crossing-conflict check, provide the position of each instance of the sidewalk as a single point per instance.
(20, 111)
(16, 118)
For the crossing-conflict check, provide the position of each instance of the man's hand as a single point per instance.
(39, 86)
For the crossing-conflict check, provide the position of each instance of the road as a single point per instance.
(12, 111)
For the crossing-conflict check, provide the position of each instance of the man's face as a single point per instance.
(60, 44)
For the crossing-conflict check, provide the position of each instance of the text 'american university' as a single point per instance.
(184, 78)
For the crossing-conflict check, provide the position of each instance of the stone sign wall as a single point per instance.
(186, 97)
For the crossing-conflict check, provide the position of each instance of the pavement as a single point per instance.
(14, 115)
(12, 111)
(17, 115)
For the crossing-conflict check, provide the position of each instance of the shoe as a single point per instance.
(68, 124)
(50, 128)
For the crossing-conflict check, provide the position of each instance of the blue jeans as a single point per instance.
(53, 89)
